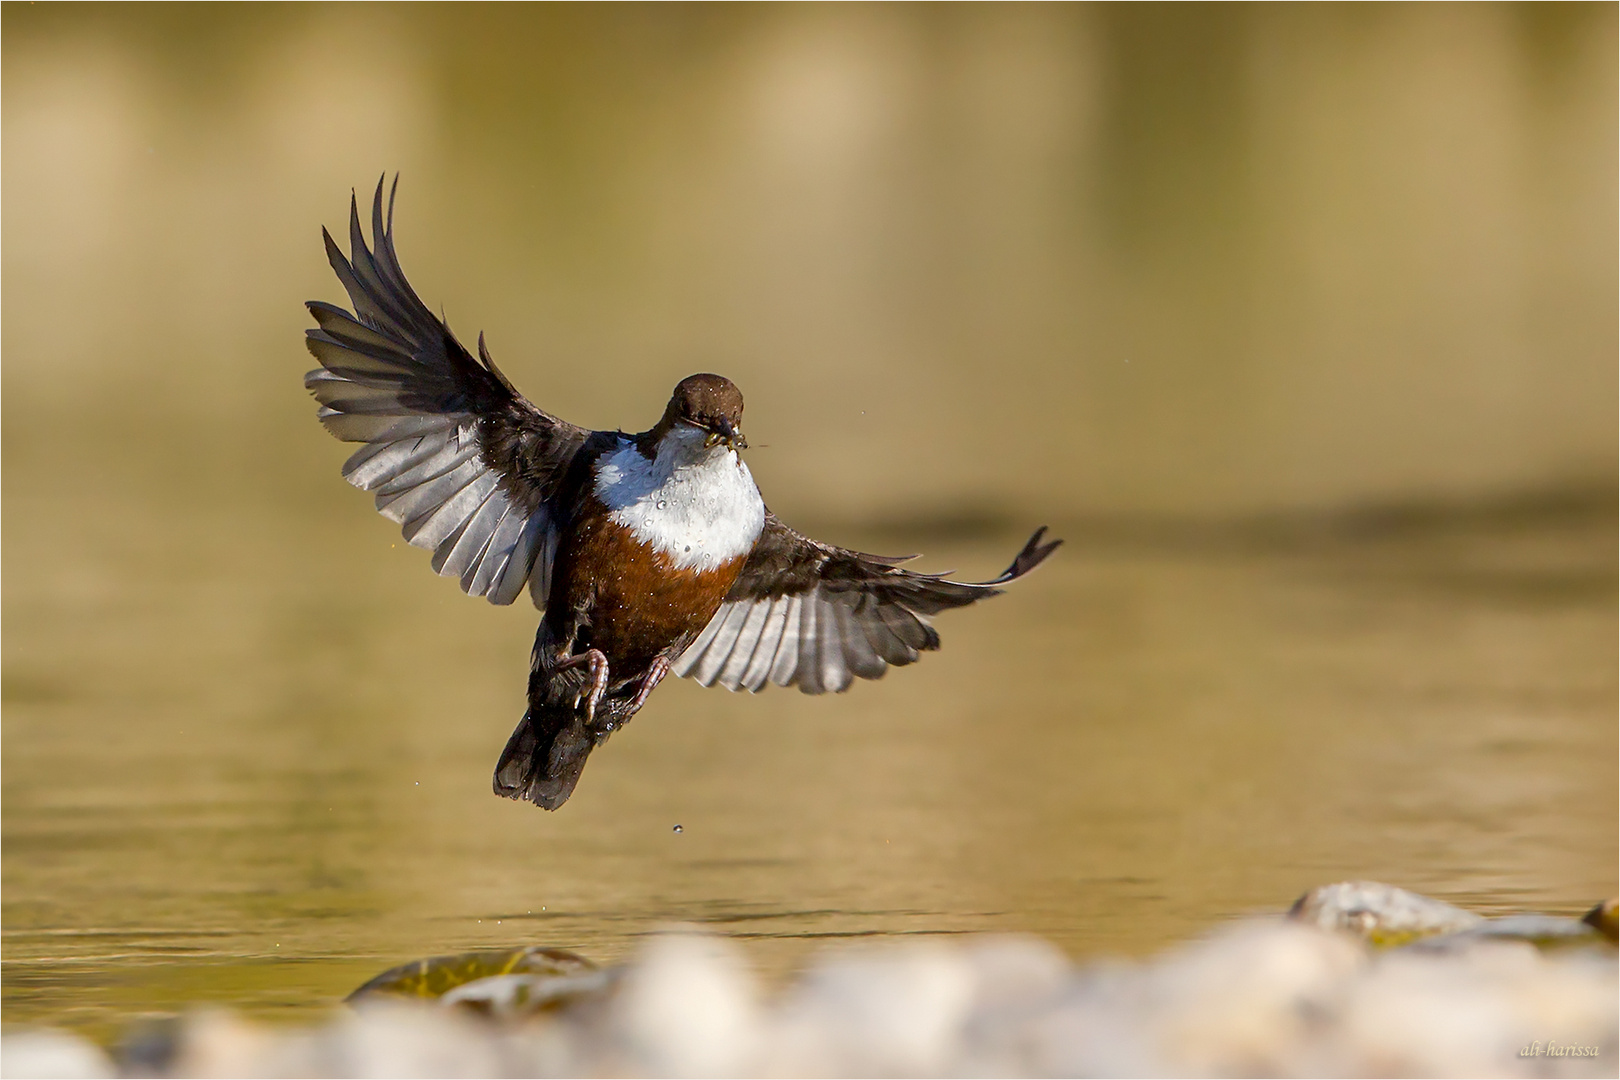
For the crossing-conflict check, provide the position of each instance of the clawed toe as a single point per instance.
(596, 679)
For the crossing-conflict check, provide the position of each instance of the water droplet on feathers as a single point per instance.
(661, 504)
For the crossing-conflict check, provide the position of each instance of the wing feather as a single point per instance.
(786, 662)
(742, 653)
(885, 642)
(759, 664)
(467, 544)
(719, 650)
(451, 455)
(375, 464)
(819, 616)
(413, 503)
(434, 524)
(856, 648)
(809, 664)
(830, 645)
(687, 662)
(358, 361)
(485, 573)
(464, 464)
(358, 427)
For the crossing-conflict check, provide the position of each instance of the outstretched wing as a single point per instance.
(808, 613)
(454, 454)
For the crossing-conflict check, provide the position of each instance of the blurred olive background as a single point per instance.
(1298, 322)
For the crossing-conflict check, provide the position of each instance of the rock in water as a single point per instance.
(437, 976)
(1382, 914)
(1605, 918)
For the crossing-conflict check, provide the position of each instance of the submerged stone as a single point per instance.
(1543, 931)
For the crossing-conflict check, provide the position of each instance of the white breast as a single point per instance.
(696, 504)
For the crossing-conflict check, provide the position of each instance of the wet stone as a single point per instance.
(438, 976)
(1305, 995)
(1543, 931)
(1605, 919)
(1381, 914)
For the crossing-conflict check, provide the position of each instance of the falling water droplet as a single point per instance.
(677, 828)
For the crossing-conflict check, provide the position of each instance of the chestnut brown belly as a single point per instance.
(636, 603)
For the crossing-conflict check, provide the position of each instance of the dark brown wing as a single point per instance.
(818, 616)
(469, 468)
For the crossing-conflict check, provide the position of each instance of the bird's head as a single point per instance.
(712, 404)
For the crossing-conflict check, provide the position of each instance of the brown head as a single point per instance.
(711, 403)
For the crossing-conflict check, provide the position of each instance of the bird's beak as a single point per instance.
(724, 432)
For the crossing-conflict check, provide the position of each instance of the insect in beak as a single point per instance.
(723, 432)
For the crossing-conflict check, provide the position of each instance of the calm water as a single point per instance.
(1142, 273)
(247, 754)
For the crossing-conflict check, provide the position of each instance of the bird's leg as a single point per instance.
(596, 678)
(649, 682)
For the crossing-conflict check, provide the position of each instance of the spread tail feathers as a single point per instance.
(544, 757)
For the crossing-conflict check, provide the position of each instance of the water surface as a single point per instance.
(248, 747)
(1195, 286)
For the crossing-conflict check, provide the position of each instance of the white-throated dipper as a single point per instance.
(645, 553)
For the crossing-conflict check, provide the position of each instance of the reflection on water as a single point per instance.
(1189, 261)
(1133, 272)
(248, 752)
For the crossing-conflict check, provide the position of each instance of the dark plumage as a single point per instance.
(645, 553)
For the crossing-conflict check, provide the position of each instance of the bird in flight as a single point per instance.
(645, 553)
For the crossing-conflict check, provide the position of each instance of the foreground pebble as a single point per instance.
(1281, 997)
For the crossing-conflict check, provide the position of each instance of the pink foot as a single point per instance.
(649, 682)
(596, 678)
